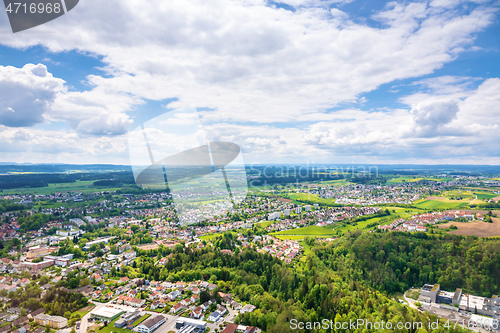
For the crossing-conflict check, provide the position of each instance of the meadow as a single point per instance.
(309, 198)
(411, 179)
(77, 186)
(462, 193)
(335, 182)
(312, 230)
(341, 227)
(264, 224)
(404, 179)
(396, 213)
(441, 204)
(209, 237)
(485, 195)
(292, 237)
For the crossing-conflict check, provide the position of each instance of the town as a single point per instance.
(112, 254)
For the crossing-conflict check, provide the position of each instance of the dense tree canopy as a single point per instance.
(395, 261)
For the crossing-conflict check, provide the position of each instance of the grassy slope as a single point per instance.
(264, 224)
(297, 197)
(309, 230)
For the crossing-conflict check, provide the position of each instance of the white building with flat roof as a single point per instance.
(97, 241)
(274, 216)
(106, 313)
(188, 323)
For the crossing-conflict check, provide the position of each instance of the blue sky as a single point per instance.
(293, 81)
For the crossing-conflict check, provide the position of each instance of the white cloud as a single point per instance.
(31, 95)
(26, 94)
(250, 62)
(312, 3)
(59, 146)
(99, 111)
(447, 84)
(432, 118)
(482, 106)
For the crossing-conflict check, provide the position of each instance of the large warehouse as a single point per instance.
(150, 324)
(106, 313)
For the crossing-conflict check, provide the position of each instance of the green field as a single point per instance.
(485, 196)
(312, 230)
(448, 200)
(140, 320)
(264, 224)
(336, 182)
(340, 227)
(411, 179)
(438, 204)
(210, 236)
(396, 213)
(77, 186)
(404, 179)
(258, 188)
(459, 193)
(307, 197)
(364, 224)
(299, 238)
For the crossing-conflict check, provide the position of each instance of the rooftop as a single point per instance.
(106, 312)
(150, 322)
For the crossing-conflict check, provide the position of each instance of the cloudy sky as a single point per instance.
(296, 81)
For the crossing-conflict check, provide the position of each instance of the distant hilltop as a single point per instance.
(7, 167)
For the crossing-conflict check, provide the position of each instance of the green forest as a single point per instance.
(311, 292)
(393, 262)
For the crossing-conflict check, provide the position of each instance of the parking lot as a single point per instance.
(452, 316)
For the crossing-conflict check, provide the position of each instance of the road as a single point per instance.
(474, 199)
(411, 302)
(85, 319)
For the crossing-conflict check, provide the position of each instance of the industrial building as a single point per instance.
(127, 319)
(150, 324)
(480, 305)
(429, 293)
(106, 313)
(188, 325)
